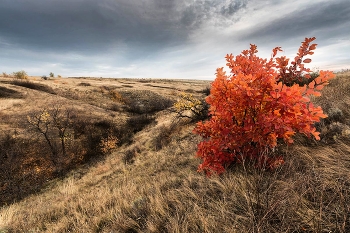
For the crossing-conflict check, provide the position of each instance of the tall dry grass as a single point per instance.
(160, 190)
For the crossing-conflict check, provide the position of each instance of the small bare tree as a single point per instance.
(41, 123)
(53, 125)
(61, 121)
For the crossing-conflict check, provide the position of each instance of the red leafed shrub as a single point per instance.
(256, 104)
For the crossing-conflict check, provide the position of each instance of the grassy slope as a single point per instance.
(162, 192)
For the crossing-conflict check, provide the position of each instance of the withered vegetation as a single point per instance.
(122, 168)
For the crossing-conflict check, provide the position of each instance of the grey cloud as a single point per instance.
(233, 7)
(320, 20)
(81, 35)
(80, 25)
(89, 25)
(204, 11)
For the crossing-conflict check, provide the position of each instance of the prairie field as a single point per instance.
(112, 155)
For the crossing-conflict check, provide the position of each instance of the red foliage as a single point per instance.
(253, 107)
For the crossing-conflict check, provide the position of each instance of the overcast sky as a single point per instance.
(164, 38)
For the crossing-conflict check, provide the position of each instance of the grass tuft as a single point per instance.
(32, 85)
(9, 93)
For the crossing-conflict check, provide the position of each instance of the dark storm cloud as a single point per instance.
(323, 20)
(233, 7)
(75, 25)
(90, 25)
(199, 12)
(162, 38)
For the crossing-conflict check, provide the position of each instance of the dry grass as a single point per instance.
(96, 123)
(157, 188)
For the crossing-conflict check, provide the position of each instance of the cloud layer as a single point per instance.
(162, 38)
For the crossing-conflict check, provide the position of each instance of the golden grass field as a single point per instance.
(149, 181)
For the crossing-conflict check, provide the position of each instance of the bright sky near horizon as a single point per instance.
(164, 38)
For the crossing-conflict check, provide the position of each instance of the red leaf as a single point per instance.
(307, 60)
(319, 87)
(311, 85)
(312, 47)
